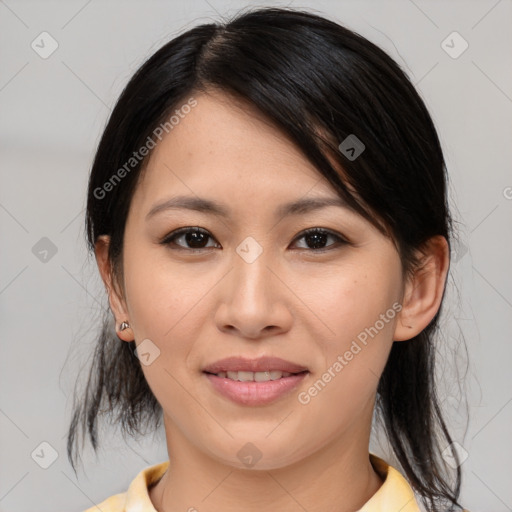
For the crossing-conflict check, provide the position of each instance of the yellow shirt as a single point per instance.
(394, 494)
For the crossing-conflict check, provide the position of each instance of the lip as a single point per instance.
(261, 364)
(255, 393)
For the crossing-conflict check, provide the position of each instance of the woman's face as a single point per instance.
(251, 284)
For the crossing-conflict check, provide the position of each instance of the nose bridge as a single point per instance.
(251, 303)
(251, 275)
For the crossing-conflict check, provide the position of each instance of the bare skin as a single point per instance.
(292, 301)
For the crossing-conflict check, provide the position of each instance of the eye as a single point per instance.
(317, 237)
(196, 237)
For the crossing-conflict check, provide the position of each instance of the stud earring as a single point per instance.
(124, 325)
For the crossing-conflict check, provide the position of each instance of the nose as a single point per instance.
(254, 301)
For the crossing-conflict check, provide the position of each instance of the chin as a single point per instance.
(257, 452)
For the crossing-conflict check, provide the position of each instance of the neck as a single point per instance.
(337, 478)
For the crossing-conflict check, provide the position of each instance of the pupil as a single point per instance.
(319, 239)
(192, 238)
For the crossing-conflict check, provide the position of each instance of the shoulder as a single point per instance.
(395, 493)
(115, 503)
(137, 495)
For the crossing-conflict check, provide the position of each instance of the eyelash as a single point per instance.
(169, 239)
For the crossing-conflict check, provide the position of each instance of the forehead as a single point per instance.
(225, 147)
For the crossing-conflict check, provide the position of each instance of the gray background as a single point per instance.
(52, 114)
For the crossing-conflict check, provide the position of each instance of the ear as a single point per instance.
(116, 301)
(424, 291)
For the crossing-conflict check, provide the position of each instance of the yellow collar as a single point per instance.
(394, 494)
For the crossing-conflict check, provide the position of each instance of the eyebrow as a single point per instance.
(202, 205)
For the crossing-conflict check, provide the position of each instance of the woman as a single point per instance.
(267, 207)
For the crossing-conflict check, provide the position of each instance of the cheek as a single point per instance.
(343, 388)
(164, 305)
(161, 295)
(357, 304)
(351, 297)
(169, 306)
